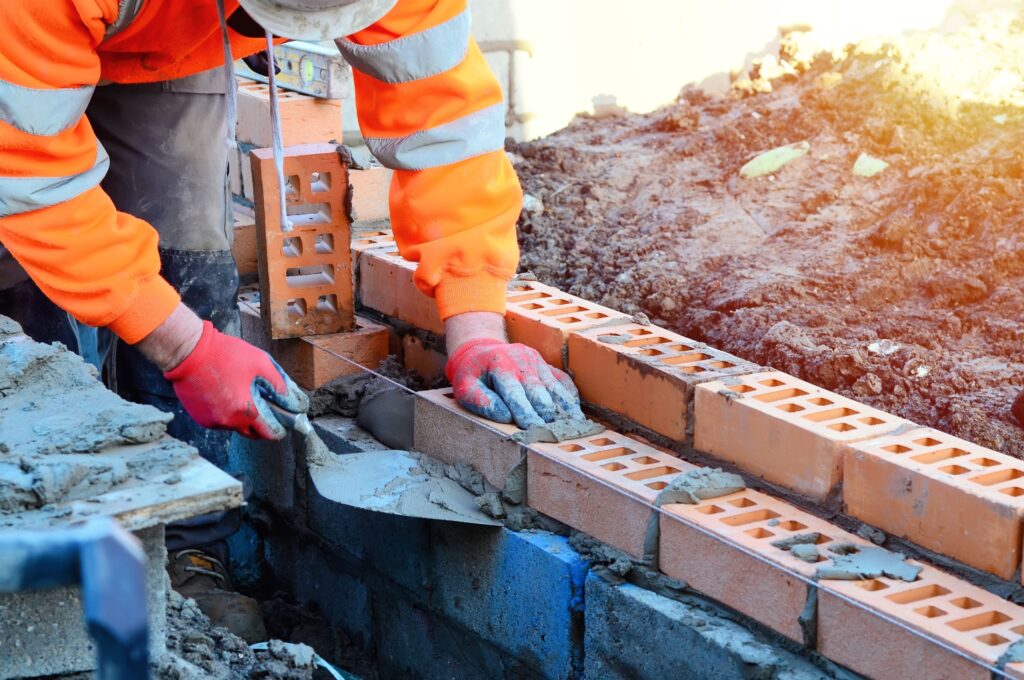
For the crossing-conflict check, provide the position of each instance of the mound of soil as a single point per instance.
(807, 269)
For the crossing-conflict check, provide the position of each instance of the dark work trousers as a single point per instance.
(168, 166)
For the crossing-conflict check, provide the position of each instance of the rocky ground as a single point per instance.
(902, 289)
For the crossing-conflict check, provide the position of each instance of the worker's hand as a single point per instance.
(226, 383)
(506, 382)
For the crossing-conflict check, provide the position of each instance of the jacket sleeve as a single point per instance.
(430, 108)
(100, 265)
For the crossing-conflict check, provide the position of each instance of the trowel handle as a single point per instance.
(293, 421)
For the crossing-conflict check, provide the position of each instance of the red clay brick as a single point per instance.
(783, 429)
(450, 433)
(304, 119)
(941, 492)
(373, 238)
(244, 246)
(719, 568)
(543, 317)
(370, 193)
(602, 485)
(427, 363)
(955, 612)
(648, 378)
(313, 361)
(386, 286)
(305, 274)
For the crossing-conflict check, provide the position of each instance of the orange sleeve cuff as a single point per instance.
(154, 301)
(480, 292)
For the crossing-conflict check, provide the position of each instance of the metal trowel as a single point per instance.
(392, 482)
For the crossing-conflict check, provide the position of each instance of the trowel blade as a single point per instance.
(393, 482)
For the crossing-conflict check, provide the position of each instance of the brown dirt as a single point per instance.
(804, 269)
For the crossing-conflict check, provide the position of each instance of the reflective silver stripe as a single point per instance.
(127, 10)
(42, 112)
(24, 194)
(413, 57)
(472, 135)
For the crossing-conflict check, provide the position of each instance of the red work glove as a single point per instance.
(506, 382)
(226, 383)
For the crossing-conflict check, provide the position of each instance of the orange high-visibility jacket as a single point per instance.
(428, 107)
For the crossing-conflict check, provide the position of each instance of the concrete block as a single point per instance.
(647, 373)
(43, 632)
(266, 468)
(941, 492)
(785, 430)
(543, 318)
(448, 432)
(523, 592)
(635, 634)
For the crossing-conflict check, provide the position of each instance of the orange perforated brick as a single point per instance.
(941, 492)
(602, 485)
(965, 617)
(305, 273)
(764, 589)
(370, 193)
(450, 433)
(374, 238)
(244, 245)
(386, 285)
(785, 430)
(543, 317)
(424, 361)
(304, 119)
(646, 373)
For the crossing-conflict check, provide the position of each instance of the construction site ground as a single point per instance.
(902, 290)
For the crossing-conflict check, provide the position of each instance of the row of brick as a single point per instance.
(728, 549)
(936, 490)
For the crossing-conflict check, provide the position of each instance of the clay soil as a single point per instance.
(805, 269)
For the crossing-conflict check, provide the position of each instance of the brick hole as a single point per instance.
(557, 302)
(688, 358)
(614, 467)
(320, 181)
(324, 244)
(918, 594)
(318, 275)
(1012, 491)
(842, 427)
(822, 540)
(652, 472)
(772, 382)
(930, 611)
(792, 525)
(722, 365)
(645, 341)
(871, 420)
(296, 308)
(978, 621)
(328, 304)
(529, 296)
(748, 517)
(601, 441)
(608, 453)
(310, 214)
(820, 401)
(896, 448)
(709, 509)
(759, 533)
(954, 469)
(291, 247)
(742, 389)
(684, 348)
(639, 331)
(291, 185)
(966, 603)
(649, 352)
(564, 310)
(644, 460)
(657, 486)
(569, 448)
(691, 369)
(779, 395)
(997, 477)
(831, 414)
(985, 462)
(568, 320)
(451, 396)
(872, 585)
(942, 454)
(1019, 630)
(742, 502)
(927, 441)
(595, 315)
(991, 639)
(531, 306)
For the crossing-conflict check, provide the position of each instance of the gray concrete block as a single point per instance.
(43, 632)
(635, 634)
